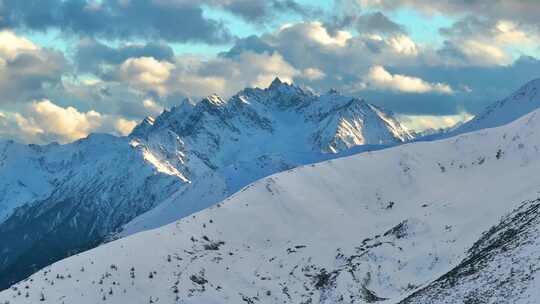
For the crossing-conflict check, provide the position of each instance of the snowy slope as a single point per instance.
(57, 200)
(525, 100)
(361, 229)
(502, 267)
(18, 186)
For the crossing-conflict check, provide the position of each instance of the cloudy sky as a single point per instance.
(71, 67)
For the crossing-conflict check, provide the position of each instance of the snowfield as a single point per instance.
(399, 225)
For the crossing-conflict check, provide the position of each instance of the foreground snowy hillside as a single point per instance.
(378, 226)
(502, 267)
(57, 200)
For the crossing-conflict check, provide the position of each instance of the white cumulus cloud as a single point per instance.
(433, 122)
(12, 45)
(26, 69)
(313, 74)
(146, 73)
(316, 32)
(380, 78)
(43, 121)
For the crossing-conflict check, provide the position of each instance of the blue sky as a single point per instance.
(101, 66)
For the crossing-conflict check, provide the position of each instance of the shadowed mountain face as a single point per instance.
(57, 200)
(95, 185)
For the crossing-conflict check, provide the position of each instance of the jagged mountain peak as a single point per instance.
(284, 87)
(276, 83)
(322, 121)
(278, 94)
(254, 108)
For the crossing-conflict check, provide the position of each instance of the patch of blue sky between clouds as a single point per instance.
(422, 28)
(51, 39)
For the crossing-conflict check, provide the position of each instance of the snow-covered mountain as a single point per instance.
(225, 145)
(446, 221)
(520, 103)
(57, 200)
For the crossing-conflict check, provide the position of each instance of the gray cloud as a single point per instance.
(344, 14)
(171, 20)
(377, 23)
(475, 40)
(27, 71)
(466, 27)
(43, 121)
(349, 14)
(338, 54)
(92, 56)
(264, 11)
(116, 19)
(523, 11)
(250, 43)
(484, 84)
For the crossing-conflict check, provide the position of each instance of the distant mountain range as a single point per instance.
(454, 220)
